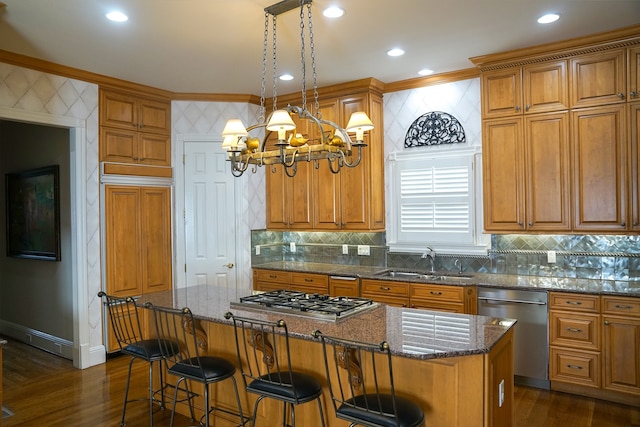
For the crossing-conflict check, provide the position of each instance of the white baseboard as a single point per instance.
(38, 339)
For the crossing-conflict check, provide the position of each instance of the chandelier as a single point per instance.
(333, 142)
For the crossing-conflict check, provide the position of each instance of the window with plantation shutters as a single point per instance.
(433, 201)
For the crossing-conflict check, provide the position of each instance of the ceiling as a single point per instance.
(215, 46)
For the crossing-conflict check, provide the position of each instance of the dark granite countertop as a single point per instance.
(418, 334)
(587, 286)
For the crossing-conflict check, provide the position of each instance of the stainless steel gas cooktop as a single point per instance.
(303, 304)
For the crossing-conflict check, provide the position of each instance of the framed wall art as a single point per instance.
(33, 213)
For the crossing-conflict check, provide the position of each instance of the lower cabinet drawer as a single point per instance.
(578, 330)
(381, 287)
(310, 283)
(576, 367)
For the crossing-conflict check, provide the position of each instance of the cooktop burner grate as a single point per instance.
(304, 304)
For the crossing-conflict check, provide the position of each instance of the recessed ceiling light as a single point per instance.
(425, 72)
(286, 77)
(548, 18)
(333, 12)
(117, 16)
(396, 51)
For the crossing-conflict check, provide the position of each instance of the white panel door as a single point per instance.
(209, 215)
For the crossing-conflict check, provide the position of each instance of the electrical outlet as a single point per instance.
(292, 246)
(551, 257)
(345, 249)
(364, 250)
(501, 394)
(257, 249)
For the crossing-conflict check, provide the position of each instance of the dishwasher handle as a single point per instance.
(515, 301)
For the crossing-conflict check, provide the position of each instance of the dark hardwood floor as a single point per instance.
(44, 390)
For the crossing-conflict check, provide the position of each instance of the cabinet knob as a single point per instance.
(527, 107)
(606, 322)
(633, 94)
(517, 108)
(435, 293)
(531, 224)
(621, 95)
(624, 224)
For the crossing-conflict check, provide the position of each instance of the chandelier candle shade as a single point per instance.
(333, 142)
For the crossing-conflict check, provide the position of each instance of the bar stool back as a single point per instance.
(360, 379)
(265, 361)
(125, 323)
(183, 346)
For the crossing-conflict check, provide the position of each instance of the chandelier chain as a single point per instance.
(302, 58)
(275, 65)
(316, 105)
(263, 90)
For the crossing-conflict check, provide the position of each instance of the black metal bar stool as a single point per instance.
(123, 314)
(181, 343)
(360, 379)
(266, 366)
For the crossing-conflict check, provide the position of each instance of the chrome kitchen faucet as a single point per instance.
(431, 254)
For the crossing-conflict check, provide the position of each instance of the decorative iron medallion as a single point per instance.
(434, 128)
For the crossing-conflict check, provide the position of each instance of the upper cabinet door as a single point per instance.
(634, 74)
(546, 87)
(598, 79)
(502, 93)
(599, 168)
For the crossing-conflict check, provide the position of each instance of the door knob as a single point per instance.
(230, 265)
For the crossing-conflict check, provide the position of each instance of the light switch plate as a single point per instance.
(257, 249)
(551, 257)
(345, 249)
(364, 250)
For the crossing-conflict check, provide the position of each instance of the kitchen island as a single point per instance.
(458, 368)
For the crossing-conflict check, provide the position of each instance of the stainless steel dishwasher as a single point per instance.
(531, 333)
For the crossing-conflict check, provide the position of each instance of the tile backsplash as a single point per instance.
(577, 256)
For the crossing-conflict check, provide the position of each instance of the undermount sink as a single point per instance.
(423, 276)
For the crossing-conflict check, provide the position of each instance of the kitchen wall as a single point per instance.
(38, 97)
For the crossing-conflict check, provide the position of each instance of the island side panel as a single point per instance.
(499, 390)
(449, 390)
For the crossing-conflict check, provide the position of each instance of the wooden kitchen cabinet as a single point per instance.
(525, 90)
(526, 165)
(595, 346)
(134, 129)
(621, 345)
(274, 280)
(388, 292)
(344, 286)
(453, 299)
(316, 199)
(354, 198)
(574, 340)
(598, 78)
(634, 131)
(599, 148)
(289, 199)
(137, 239)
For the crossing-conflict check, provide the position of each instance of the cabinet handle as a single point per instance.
(574, 330)
(624, 224)
(142, 159)
(633, 94)
(517, 108)
(135, 158)
(384, 288)
(574, 302)
(574, 367)
(308, 280)
(527, 107)
(621, 95)
(623, 307)
(273, 276)
(531, 224)
(435, 293)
